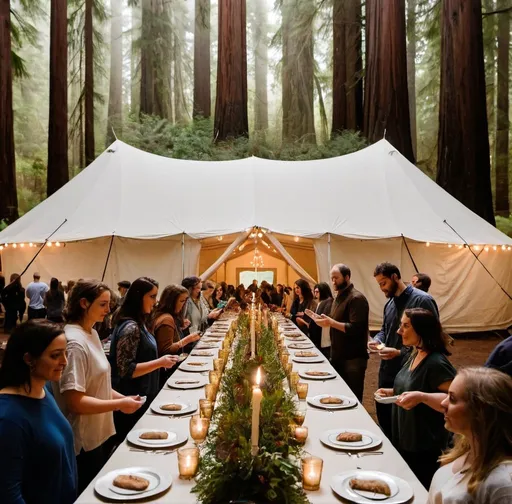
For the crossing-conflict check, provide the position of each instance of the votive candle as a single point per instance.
(311, 473)
(188, 462)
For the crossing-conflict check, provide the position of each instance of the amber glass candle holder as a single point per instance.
(289, 368)
(214, 378)
(199, 428)
(302, 390)
(210, 392)
(205, 408)
(188, 462)
(311, 472)
(218, 365)
(300, 434)
(294, 379)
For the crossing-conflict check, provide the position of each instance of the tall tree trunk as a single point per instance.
(386, 103)
(89, 84)
(202, 90)
(135, 61)
(231, 119)
(58, 171)
(115, 97)
(147, 77)
(502, 122)
(8, 195)
(347, 91)
(180, 106)
(260, 67)
(81, 112)
(411, 69)
(463, 143)
(298, 71)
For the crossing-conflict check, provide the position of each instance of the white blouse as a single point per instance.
(451, 487)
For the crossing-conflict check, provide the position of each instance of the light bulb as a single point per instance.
(476, 247)
(486, 248)
(22, 245)
(428, 244)
(31, 244)
(57, 244)
(450, 245)
(494, 247)
(50, 244)
(1, 247)
(296, 239)
(14, 245)
(503, 247)
(460, 246)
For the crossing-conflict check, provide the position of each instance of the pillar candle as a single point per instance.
(257, 396)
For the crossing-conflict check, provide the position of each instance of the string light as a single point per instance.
(460, 246)
(50, 244)
(220, 238)
(450, 245)
(14, 245)
(22, 245)
(494, 247)
(428, 244)
(260, 235)
(57, 244)
(503, 247)
(30, 244)
(476, 247)
(509, 248)
(486, 248)
(296, 239)
(1, 247)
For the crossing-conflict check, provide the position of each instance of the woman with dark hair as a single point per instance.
(196, 309)
(303, 301)
(85, 393)
(134, 354)
(167, 321)
(418, 430)
(207, 291)
(478, 409)
(217, 296)
(277, 296)
(37, 457)
(224, 287)
(54, 302)
(13, 299)
(240, 293)
(321, 336)
(230, 292)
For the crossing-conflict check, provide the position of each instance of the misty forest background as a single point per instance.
(281, 79)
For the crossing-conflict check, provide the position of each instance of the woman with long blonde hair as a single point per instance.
(478, 469)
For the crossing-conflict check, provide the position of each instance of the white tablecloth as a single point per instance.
(317, 422)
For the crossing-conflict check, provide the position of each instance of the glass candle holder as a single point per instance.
(302, 390)
(188, 461)
(205, 408)
(294, 379)
(218, 365)
(288, 368)
(300, 434)
(214, 377)
(225, 345)
(199, 428)
(284, 360)
(223, 354)
(299, 415)
(210, 392)
(311, 472)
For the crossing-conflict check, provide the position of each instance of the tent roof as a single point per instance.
(373, 193)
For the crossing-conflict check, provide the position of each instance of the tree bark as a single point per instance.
(180, 106)
(89, 84)
(135, 60)
(8, 195)
(298, 71)
(411, 69)
(115, 97)
(502, 116)
(202, 91)
(58, 172)
(386, 102)
(463, 141)
(260, 67)
(231, 119)
(147, 77)
(347, 90)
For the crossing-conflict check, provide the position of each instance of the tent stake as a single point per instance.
(108, 257)
(478, 259)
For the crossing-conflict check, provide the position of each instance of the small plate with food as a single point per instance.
(133, 483)
(363, 487)
(207, 345)
(172, 408)
(308, 360)
(187, 383)
(204, 353)
(197, 366)
(317, 374)
(385, 399)
(295, 336)
(307, 353)
(301, 346)
(155, 438)
(350, 439)
(332, 401)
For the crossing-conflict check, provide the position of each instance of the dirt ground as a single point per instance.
(471, 350)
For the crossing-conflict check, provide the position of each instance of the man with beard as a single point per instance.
(348, 322)
(387, 341)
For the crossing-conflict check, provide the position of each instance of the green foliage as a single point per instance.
(228, 471)
(504, 224)
(194, 141)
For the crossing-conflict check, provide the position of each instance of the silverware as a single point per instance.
(360, 454)
(154, 452)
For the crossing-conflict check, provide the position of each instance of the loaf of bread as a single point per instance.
(375, 486)
(331, 400)
(131, 482)
(154, 435)
(349, 437)
(171, 407)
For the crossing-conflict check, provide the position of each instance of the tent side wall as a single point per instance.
(468, 298)
(129, 259)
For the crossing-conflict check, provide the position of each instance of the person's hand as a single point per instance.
(130, 404)
(409, 400)
(301, 321)
(324, 321)
(388, 353)
(186, 324)
(168, 361)
(384, 392)
(192, 338)
(215, 314)
(375, 345)
(300, 314)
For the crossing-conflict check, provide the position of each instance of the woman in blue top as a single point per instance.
(134, 354)
(37, 456)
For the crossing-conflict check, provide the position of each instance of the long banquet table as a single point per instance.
(317, 421)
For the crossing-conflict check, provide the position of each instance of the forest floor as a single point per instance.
(468, 350)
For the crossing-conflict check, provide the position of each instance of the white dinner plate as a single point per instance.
(186, 408)
(212, 353)
(206, 365)
(385, 400)
(186, 383)
(369, 441)
(295, 337)
(329, 376)
(310, 354)
(347, 402)
(301, 346)
(173, 439)
(208, 345)
(159, 481)
(401, 491)
(309, 360)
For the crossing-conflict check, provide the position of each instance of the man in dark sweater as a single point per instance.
(348, 322)
(501, 357)
(387, 340)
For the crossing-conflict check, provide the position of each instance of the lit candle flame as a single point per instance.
(258, 377)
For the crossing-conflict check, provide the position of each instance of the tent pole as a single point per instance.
(183, 255)
(329, 250)
(108, 257)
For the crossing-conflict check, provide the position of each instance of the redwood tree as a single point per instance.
(147, 77)
(386, 101)
(347, 86)
(298, 71)
(260, 67)
(411, 68)
(231, 102)
(502, 121)
(202, 91)
(115, 96)
(463, 140)
(89, 84)
(8, 196)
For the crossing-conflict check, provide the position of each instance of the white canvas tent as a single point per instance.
(361, 209)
